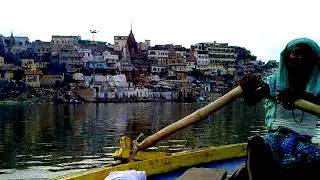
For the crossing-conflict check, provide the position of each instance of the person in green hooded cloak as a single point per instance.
(290, 149)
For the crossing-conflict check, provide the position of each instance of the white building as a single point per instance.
(112, 60)
(178, 49)
(67, 40)
(159, 53)
(202, 61)
(144, 45)
(190, 65)
(211, 54)
(120, 42)
(86, 55)
(21, 41)
(108, 56)
(157, 68)
(64, 42)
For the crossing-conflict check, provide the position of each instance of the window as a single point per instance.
(152, 52)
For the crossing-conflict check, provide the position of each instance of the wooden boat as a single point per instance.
(171, 166)
(162, 165)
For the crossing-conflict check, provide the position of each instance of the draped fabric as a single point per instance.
(279, 80)
(290, 148)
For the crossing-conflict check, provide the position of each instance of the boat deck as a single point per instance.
(230, 166)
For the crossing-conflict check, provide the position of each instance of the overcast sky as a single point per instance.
(262, 26)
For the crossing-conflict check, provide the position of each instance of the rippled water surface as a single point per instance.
(43, 141)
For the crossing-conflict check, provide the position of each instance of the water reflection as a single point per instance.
(57, 139)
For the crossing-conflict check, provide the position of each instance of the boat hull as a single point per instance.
(216, 156)
(230, 165)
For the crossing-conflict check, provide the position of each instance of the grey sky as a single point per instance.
(264, 27)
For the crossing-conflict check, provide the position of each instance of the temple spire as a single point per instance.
(131, 25)
(132, 45)
(12, 41)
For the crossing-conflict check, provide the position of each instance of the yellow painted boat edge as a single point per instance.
(166, 164)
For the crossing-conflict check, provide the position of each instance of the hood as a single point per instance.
(282, 78)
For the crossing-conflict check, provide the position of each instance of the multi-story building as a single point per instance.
(182, 51)
(42, 51)
(65, 40)
(59, 42)
(7, 70)
(144, 46)
(33, 76)
(86, 55)
(157, 69)
(177, 66)
(160, 52)
(72, 59)
(190, 65)
(203, 61)
(210, 54)
(120, 42)
(111, 59)
(22, 41)
(27, 63)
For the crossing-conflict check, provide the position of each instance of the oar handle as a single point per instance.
(196, 116)
(307, 106)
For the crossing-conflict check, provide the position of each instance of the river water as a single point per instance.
(45, 140)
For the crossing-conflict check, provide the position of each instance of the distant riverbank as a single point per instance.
(67, 96)
(39, 96)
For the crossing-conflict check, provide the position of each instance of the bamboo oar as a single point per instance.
(196, 116)
(204, 112)
(307, 106)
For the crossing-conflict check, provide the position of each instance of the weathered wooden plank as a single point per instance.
(204, 174)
